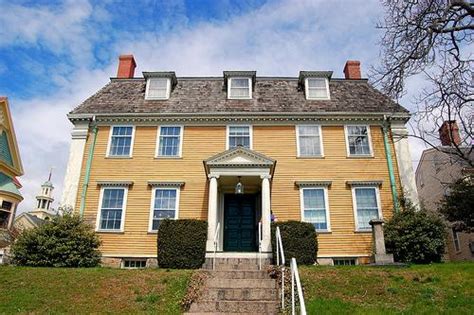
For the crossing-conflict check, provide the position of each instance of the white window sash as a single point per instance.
(307, 90)
(369, 139)
(354, 206)
(147, 90)
(230, 88)
(250, 135)
(326, 204)
(298, 142)
(180, 146)
(109, 144)
(152, 205)
(99, 211)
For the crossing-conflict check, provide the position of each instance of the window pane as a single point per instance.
(239, 83)
(358, 140)
(157, 88)
(315, 208)
(239, 88)
(158, 83)
(317, 83)
(164, 206)
(239, 136)
(309, 140)
(112, 207)
(367, 208)
(317, 93)
(169, 141)
(121, 141)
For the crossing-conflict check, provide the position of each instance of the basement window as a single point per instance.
(134, 263)
(344, 261)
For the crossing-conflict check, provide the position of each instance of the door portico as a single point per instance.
(224, 170)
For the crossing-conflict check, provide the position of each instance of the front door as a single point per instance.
(239, 223)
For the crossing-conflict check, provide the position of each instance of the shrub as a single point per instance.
(65, 241)
(299, 241)
(415, 236)
(182, 243)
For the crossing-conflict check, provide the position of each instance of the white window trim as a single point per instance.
(455, 235)
(229, 83)
(321, 146)
(228, 134)
(326, 204)
(124, 209)
(306, 88)
(152, 205)
(346, 135)
(354, 206)
(168, 89)
(107, 153)
(180, 149)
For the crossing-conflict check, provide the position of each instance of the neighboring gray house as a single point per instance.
(435, 172)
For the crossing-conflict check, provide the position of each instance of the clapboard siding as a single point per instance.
(201, 142)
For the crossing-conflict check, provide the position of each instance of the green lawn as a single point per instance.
(95, 290)
(421, 289)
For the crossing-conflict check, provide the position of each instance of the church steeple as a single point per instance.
(44, 199)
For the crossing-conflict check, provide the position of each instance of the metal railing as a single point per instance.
(216, 244)
(259, 245)
(295, 277)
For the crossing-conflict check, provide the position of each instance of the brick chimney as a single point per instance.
(126, 68)
(449, 133)
(352, 70)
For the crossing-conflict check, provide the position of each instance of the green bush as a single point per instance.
(182, 243)
(65, 241)
(415, 236)
(299, 241)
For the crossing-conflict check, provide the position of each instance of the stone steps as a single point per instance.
(236, 286)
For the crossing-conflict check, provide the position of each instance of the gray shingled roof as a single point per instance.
(208, 95)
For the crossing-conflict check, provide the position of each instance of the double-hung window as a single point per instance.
(367, 206)
(309, 141)
(358, 140)
(121, 141)
(157, 89)
(240, 88)
(315, 207)
(239, 136)
(164, 206)
(112, 209)
(317, 89)
(169, 141)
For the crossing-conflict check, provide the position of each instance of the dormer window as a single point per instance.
(159, 85)
(315, 84)
(239, 84)
(240, 88)
(157, 89)
(317, 89)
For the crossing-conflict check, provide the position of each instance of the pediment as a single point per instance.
(239, 156)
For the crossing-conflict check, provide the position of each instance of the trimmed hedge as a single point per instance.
(299, 241)
(182, 243)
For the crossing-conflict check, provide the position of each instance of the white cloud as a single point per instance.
(277, 39)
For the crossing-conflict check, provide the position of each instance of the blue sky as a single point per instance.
(54, 54)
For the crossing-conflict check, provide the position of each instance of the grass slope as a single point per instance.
(421, 289)
(95, 290)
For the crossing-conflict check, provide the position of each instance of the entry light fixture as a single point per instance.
(239, 188)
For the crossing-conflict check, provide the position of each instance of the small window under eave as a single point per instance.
(315, 84)
(159, 85)
(239, 84)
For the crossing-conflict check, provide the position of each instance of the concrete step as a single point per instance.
(232, 267)
(222, 313)
(259, 307)
(240, 274)
(241, 283)
(240, 294)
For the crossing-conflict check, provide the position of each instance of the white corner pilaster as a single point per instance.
(73, 171)
(405, 166)
(266, 214)
(212, 213)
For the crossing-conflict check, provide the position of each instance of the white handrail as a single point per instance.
(281, 253)
(295, 277)
(259, 245)
(216, 243)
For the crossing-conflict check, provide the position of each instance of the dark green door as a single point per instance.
(239, 223)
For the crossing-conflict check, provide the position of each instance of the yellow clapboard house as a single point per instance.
(238, 151)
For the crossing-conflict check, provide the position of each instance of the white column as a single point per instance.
(212, 213)
(74, 165)
(404, 163)
(266, 214)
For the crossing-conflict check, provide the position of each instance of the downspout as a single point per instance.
(388, 156)
(85, 185)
